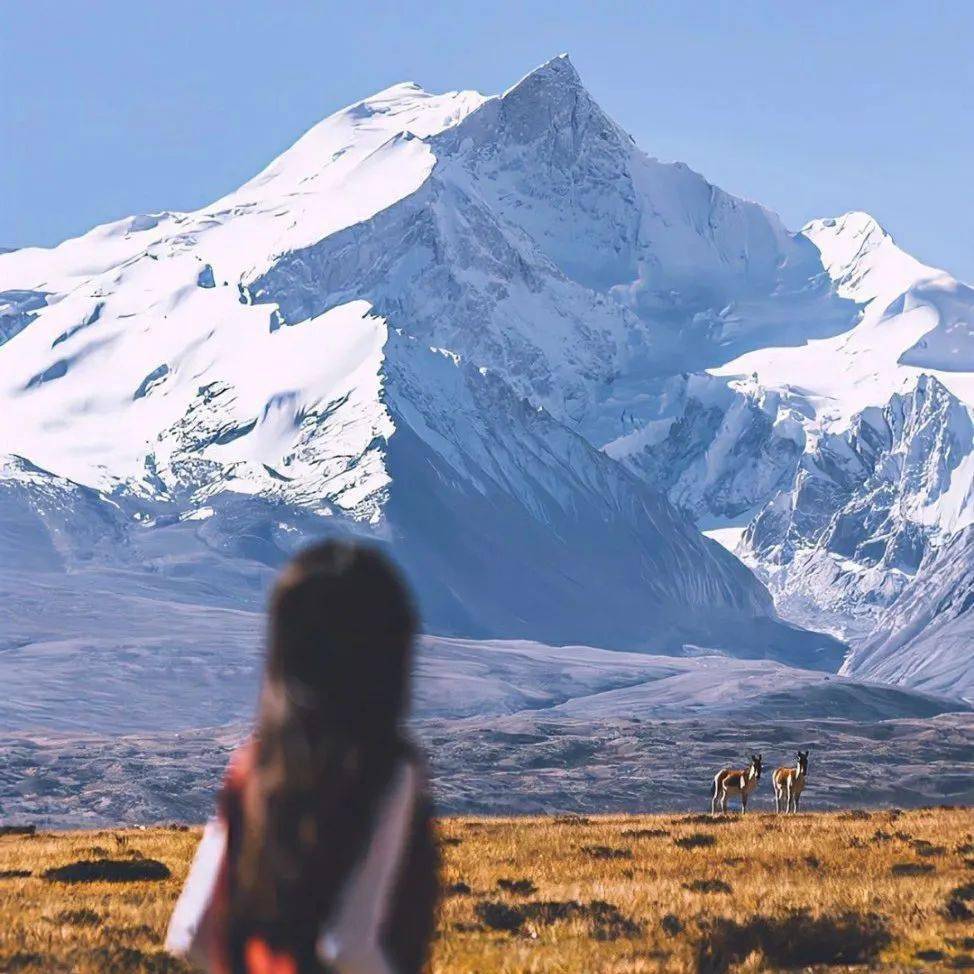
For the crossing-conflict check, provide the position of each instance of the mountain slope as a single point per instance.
(926, 638)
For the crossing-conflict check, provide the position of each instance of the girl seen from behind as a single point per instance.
(322, 857)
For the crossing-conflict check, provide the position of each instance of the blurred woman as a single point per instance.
(322, 856)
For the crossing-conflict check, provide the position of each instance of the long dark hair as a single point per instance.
(329, 737)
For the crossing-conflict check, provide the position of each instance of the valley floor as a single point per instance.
(884, 890)
(132, 729)
(529, 762)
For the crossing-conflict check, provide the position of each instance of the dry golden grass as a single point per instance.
(610, 894)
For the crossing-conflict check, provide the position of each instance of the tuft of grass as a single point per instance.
(708, 886)
(79, 918)
(958, 903)
(698, 840)
(644, 833)
(606, 852)
(671, 924)
(499, 916)
(709, 819)
(605, 920)
(911, 868)
(520, 887)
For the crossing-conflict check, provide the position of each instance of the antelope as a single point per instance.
(788, 784)
(731, 782)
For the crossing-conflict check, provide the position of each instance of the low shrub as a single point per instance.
(109, 871)
(797, 939)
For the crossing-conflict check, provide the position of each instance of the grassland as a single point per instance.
(889, 891)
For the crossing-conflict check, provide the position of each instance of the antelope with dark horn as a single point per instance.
(788, 784)
(733, 782)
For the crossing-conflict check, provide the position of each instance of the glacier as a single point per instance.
(548, 371)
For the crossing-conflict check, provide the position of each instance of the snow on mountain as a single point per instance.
(863, 259)
(866, 507)
(925, 639)
(362, 339)
(914, 320)
(486, 479)
(548, 248)
(835, 467)
(887, 472)
(490, 331)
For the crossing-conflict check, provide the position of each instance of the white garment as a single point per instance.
(182, 937)
(349, 942)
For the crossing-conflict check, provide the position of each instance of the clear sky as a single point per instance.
(110, 108)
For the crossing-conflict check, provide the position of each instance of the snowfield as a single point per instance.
(584, 397)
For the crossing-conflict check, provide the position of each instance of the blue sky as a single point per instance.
(110, 108)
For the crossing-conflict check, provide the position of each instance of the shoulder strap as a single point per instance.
(350, 941)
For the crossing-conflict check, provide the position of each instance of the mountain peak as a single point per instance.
(558, 70)
(402, 89)
(855, 223)
(551, 99)
(862, 258)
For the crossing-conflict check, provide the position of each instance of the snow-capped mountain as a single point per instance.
(839, 466)
(495, 333)
(360, 340)
(867, 505)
